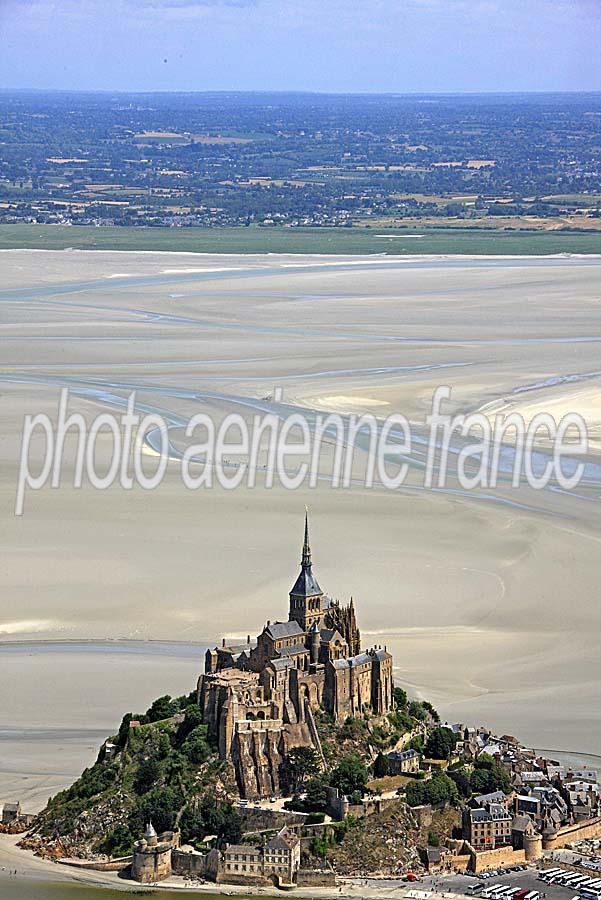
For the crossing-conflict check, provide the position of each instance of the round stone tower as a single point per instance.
(549, 837)
(533, 846)
(152, 857)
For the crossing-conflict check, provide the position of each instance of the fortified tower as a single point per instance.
(152, 855)
(306, 597)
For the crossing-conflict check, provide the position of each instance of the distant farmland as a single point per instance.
(301, 240)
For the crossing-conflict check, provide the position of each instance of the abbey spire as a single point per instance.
(306, 558)
(306, 597)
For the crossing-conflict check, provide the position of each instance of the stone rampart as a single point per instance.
(98, 865)
(581, 831)
(492, 859)
(316, 878)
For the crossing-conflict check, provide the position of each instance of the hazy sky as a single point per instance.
(317, 45)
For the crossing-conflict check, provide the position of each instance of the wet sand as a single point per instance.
(490, 603)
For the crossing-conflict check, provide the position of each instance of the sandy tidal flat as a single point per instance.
(490, 601)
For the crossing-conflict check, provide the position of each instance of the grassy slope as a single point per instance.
(299, 240)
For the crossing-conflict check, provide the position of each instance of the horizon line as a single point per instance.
(302, 92)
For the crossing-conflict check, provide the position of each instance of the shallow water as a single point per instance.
(13, 888)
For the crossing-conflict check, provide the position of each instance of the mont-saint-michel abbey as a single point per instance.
(259, 698)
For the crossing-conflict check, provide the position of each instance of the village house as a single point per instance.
(11, 812)
(487, 828)
(278, 860)
(401, 762)
(545, 806)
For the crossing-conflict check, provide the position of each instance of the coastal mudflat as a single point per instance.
(490, 601)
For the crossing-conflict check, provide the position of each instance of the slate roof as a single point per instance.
(248, 849)
(278, 630)
(236, 648)
(521, 823)
(306, 584)
(493, 797)
(352, 661)
(403, 754)
(283, 840)
(330, 634)
(496, 813)
(280, 664)
(296, 649)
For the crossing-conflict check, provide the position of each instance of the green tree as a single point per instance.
(489, 776)
(124, 729)
(416, 743)
(401, 721)
(416, 710)
(479, 781)
(232, 826)
(303, 763)
(441, 743)
(415, 794)
(118, 842)
(430, 709)
(440, 789)
(320, 846)
(196, 747)
(161, 745)
(221, 819)
(160, 806)
(162, 708)
(92, 781)
(484, 761)
(192, 719)
(350, 775)
(192, 824)
(148, 774)
(315, 796)
(462, 782)
(381, 766)
(400, 698)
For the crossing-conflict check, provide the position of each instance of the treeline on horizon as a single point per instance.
(294, 159)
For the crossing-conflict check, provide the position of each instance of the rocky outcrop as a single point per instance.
(258, 755)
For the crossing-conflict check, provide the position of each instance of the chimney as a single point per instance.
(248, 639)
(223, 642)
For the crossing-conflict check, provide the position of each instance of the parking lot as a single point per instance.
(527, 880)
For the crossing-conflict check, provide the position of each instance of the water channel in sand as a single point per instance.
(489, 601)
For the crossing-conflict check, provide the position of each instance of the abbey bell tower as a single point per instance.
(306, 597)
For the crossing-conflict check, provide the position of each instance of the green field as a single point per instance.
(300, 240)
